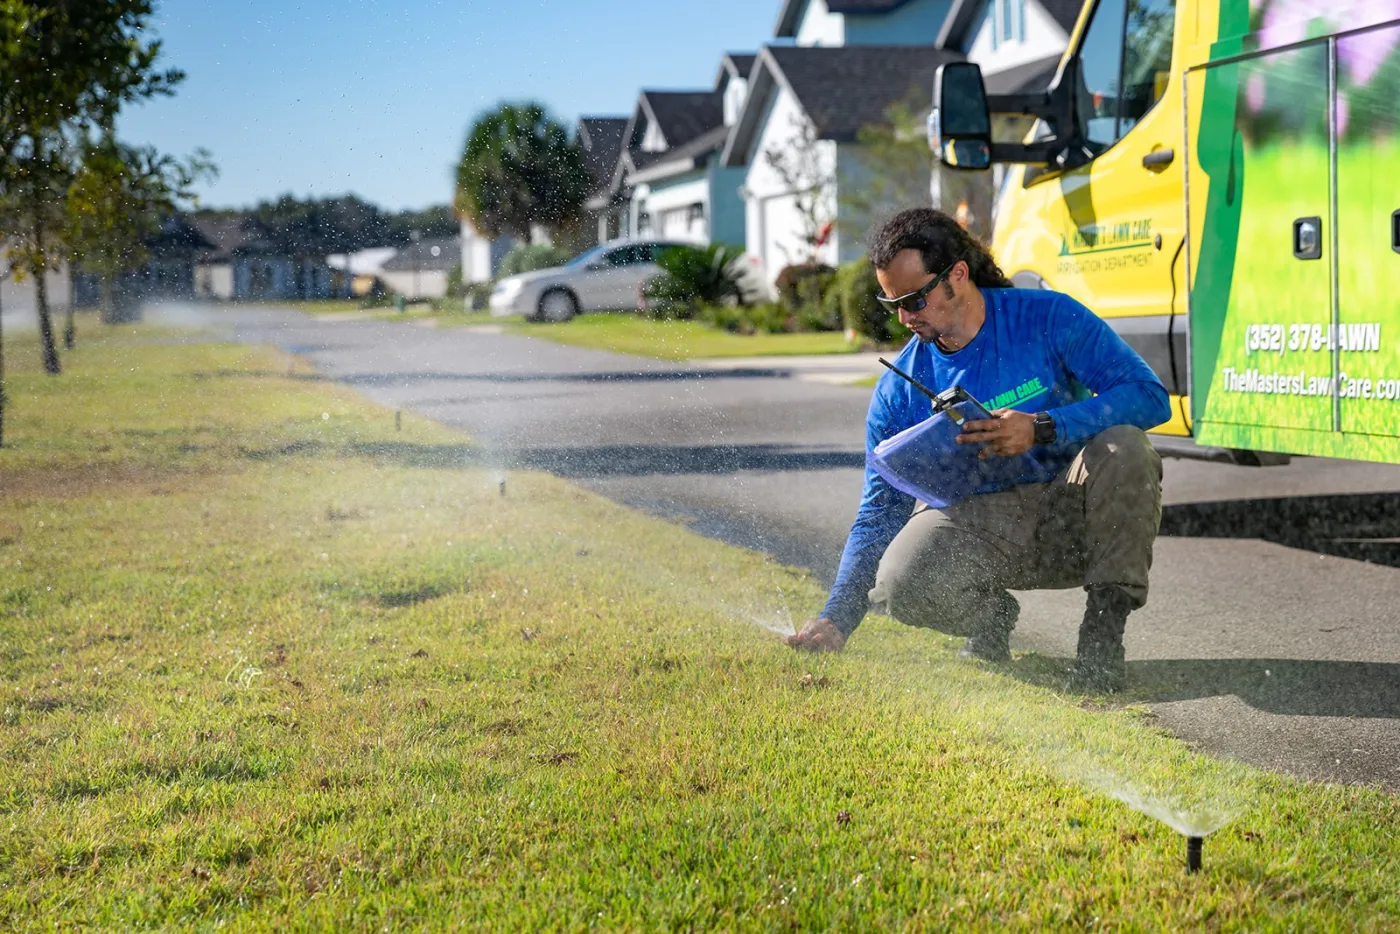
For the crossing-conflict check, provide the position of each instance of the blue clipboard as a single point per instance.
(927, 463)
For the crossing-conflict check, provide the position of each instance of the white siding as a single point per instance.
(670, 209)
(19, 301)
(820, 26)
(774, 227)
(426, 283)
(214, 280)
(652, 140)
(734, 93)
(1043, 38)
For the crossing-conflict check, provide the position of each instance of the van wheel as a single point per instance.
(556, 306)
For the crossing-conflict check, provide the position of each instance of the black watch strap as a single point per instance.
(1044, 428)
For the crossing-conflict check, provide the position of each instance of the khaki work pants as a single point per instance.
(1091, 526)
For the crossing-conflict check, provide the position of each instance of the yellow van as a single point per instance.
(1220, 180)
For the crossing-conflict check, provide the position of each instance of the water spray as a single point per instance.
(1193, 853)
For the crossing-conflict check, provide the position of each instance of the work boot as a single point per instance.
(992, 641)
(1099, 667)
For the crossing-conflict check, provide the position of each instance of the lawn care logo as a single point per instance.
(1030, 389)
(1098, 238)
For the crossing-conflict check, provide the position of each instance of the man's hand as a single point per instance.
(820, 635)
(1009, 433)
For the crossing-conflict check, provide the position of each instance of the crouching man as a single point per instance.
(1084, 509)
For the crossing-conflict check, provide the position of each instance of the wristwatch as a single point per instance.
(1044, 428)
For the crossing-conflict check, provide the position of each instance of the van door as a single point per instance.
(1119, 219)
(1261, 250)
(1368, 232)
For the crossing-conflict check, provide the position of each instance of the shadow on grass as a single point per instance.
(1284, 686)
(1363, 527)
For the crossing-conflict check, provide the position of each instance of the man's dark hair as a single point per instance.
(941, 241)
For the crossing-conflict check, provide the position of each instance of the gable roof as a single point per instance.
(742, 62)
(841, 89)
(420, 256)
(600, 138)
(228, 234)
(1064, 12)
(1024, 79)
(692, 155)
(790, 16)
(964, 15)
(681, 115)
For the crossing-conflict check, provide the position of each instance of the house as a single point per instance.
(168, 272)
(362, 268)
(420, 269)
(798, 141)
(481, 255)
(600, 140)
(861, 22)
(669, 180)
(842, 65)
(247, 263)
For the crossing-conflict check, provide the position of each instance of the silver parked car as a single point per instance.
(607, 277)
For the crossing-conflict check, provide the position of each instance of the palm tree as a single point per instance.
(519, 169)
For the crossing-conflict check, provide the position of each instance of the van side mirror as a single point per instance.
(960, 126)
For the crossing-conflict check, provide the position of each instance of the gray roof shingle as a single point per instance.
(601, 138)
(420, 255)
(1064, 12)
(1023, 79)
(684, 115)
(743, 62)
(791, 13)
(688, 155)
(843, 89)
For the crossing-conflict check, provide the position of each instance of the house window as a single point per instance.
(652, 140)
(1008, 21)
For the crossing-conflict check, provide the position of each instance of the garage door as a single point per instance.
(782, 233)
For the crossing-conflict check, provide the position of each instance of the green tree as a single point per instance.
(520, 169)
(115, 204)
(68, 67)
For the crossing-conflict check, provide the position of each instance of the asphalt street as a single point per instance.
(1271, 631)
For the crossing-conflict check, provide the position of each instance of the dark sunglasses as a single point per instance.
(915, 301)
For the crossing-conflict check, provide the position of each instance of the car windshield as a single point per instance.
(586, 257)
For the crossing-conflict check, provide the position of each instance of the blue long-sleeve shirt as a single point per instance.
(1037, 351)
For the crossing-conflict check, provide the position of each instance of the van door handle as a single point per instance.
(1158, 157)
(1395, 231)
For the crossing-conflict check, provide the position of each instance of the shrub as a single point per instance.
(692, 277)
(768, 318)
(456, 288)
(528, 258)
(803, 283)
(477, 296)
(857, 286)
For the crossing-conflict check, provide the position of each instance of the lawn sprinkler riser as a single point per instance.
(1193, 854)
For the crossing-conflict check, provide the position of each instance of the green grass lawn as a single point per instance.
(678, 340)
(267, 662)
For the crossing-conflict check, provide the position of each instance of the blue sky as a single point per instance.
(375, 98)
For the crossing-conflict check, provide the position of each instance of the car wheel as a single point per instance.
(556, 306)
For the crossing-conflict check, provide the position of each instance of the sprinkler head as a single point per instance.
(1193, 854)
(503, 487)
